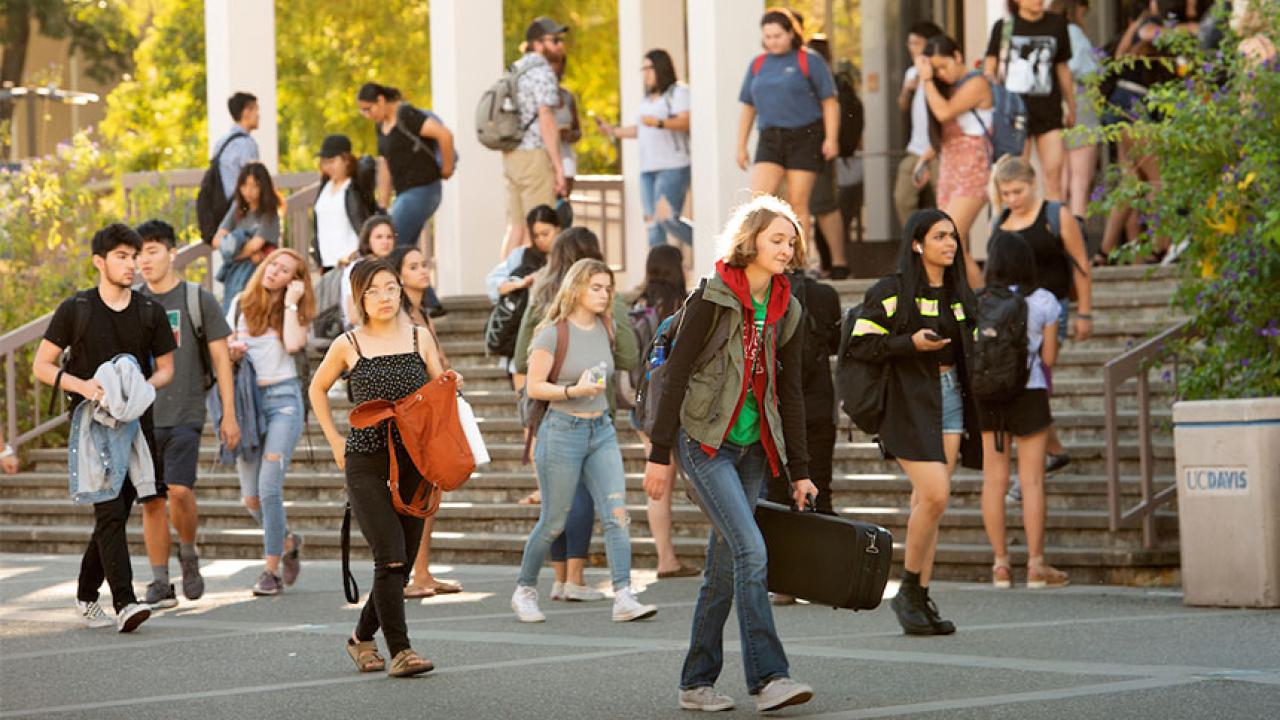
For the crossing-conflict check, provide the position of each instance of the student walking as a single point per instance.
(237, 146)
(98, 325)
(249, 231)
(578, 443)
(534, 171)
(662, 137)
(660, 295)
(1024, 419)
(960, 105)
(1060, 259)
(789, 95)
(509, 283)
(200, 360)
(411, 267)
(919, 321)
(913, 186)
(415, 154)
(341, 205)
(741, 418)
(1030, 59)
(269, 322)
(387, 358)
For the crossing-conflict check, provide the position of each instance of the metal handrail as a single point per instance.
(1135, 363)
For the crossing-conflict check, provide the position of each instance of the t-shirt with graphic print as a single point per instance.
(746, 429)
(1034, 49)
(181, 402)
(536, 88)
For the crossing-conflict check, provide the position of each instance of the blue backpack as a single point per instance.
(1007, 134)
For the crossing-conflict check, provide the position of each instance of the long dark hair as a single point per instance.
(371, 91)
(664, 71)
(664, 289)
(940, 46)
(366, 232)
(911, 270)
(787, 20)
(569, 247)
(1010, 261)
(268, 201)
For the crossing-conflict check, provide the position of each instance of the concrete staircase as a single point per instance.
(483, 521)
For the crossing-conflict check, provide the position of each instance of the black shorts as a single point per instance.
(178, 454)
(1037, 126)
(792, 148)
(1025, 415)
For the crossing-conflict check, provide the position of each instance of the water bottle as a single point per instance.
(598, 373)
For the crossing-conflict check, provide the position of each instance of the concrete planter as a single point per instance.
(1228, 457)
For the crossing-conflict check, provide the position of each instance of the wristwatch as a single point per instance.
(292, 306)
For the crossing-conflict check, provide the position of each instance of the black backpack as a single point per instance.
(71, 361)
(503, 326)
(999, 367)
(861, 386)
(851, 116)
(366, 181)
(212, 202)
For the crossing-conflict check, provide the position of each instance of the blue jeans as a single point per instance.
(952, 403)
(670, 185)
(575, 451)
(575, 541)
(263, 478)
(727, 485)
(412, 209)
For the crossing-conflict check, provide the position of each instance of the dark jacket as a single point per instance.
(357, 212)
(708, 399)
(821, 327)
(912, 425)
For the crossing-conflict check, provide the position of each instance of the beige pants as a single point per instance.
(906, 197)
(531, 181)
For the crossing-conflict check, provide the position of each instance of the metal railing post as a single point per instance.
(1113, 453)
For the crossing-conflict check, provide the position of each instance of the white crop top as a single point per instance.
(969, 124)
(271, 361)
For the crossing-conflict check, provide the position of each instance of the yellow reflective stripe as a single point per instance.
(890, 305)
(866, 327)
(957, 311)
(928, 308)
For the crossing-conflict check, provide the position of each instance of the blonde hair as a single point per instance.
(575, 282)
(1010, 168)
(738, 241)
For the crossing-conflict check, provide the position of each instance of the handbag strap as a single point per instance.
(349, 587)
(540, 406)
(421, 505)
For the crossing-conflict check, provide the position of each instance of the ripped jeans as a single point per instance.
(573, 450)
(281, 405)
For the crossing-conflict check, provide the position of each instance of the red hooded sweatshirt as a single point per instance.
(779, 299)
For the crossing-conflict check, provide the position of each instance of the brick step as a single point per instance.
(969, 562)
(1063, 491)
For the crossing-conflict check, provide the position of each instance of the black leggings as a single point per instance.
(392, 537)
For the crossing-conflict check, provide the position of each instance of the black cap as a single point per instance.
(335, 145)
(542, 27)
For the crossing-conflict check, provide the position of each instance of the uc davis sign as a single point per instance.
(1215, 480)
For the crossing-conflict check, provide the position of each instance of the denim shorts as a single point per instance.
(952, 403)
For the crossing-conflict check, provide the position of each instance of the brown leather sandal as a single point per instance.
(408, 663)
(414, 592)
(365, 656)
(444, 587)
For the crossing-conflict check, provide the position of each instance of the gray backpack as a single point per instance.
(498, 125)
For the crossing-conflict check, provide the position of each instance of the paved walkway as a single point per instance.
(1082, 652)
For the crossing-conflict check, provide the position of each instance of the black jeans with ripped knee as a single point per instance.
(393, 538)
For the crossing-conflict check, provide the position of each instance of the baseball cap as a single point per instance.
(335, 145)
(542, 27)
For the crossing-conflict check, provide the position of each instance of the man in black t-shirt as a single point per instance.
(98, 324)
(1034, 65)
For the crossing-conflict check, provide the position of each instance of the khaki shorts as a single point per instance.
(531, 181)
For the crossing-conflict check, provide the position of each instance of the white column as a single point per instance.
(642, 26)
(723, 37)
(878, 104)
(466, 58)
(240, 56)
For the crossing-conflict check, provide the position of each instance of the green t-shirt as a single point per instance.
(746, 430)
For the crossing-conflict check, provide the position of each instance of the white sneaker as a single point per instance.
(525, 602)
(705, 698)
(781, 692)
(581, 593)
(626, 608)
(557, 591)
(92, 614)
(131, 616)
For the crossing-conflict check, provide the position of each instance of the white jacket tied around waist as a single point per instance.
(106, 443)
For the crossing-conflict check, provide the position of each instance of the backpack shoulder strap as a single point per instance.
(562, 349)
(802, 59)
(757, 64)
(79, 326)
(225, 143)
(1053, 213)
(195, 311)
(790, 320)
